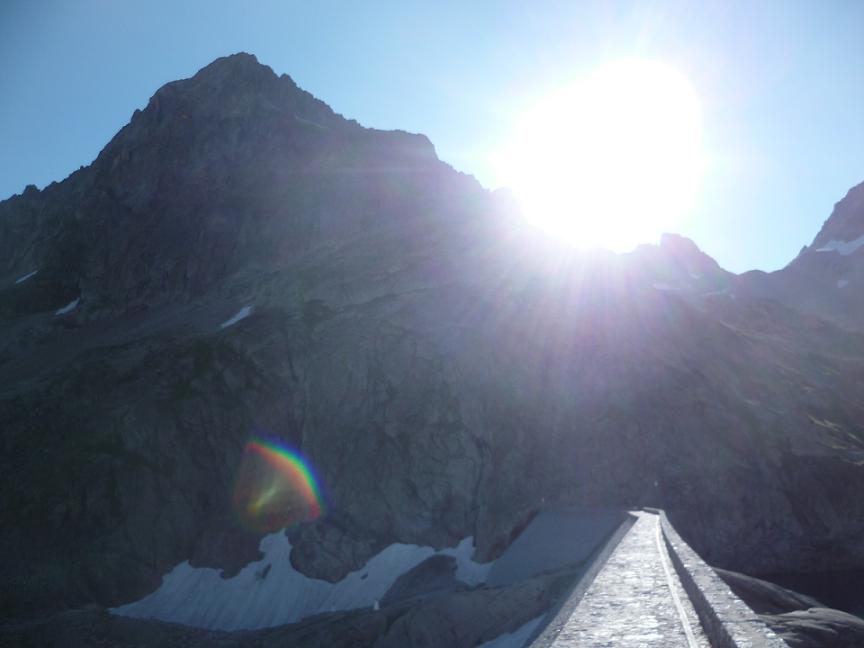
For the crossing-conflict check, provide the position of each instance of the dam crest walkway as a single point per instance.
(650, 590)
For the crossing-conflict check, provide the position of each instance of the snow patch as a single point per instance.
(68, 308)
(842, 283)
(271, 592)
(723, 291)
(25, 277)
(844, 248)
(243, 313)
(515, 639)
(310, 123)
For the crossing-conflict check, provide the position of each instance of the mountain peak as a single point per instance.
(237, 59)
(687, 252)
(678, 244)
(846, 222)
(241, 64)
(234, 89)
(231, 83)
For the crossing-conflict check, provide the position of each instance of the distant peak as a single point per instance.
(687, 252)
(846, 222)
(678, 243)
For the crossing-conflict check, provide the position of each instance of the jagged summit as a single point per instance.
(243, 107)
(826, 277)
(678, 243)
(846, 223)
(238, 61)
(238, 87)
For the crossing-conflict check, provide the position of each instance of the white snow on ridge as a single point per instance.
(68, 308)
(844, 248)
(271, 592)
(243, 313)
(25, 277)
(842, 283)
(515, 639)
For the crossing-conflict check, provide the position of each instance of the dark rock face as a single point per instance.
(818, 628)
(764, 597)
(801, 621)
(435, 574)
(445, 371)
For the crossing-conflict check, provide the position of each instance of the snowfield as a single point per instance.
(271, 592)
(844, 248)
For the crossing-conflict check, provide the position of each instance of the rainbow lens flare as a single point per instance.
(275, 487)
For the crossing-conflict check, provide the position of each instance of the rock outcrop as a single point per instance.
(801, 621)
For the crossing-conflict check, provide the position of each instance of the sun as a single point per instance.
(613, 160)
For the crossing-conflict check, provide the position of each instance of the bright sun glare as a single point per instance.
(612, 161)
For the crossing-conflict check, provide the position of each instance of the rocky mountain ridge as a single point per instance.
(447, 370)
(824, 278)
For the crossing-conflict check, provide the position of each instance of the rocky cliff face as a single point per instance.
(445, 370)
(801, 621)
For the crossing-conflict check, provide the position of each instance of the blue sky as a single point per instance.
(780, 85)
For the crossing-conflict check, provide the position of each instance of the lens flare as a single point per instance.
(275, 487)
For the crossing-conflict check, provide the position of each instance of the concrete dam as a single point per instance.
(647, 588)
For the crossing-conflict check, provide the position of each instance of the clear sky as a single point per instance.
(779, 82)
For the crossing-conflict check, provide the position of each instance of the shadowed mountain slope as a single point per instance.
(446, 369)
